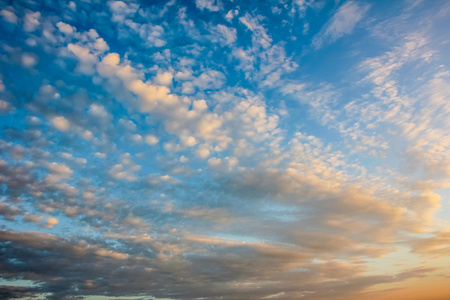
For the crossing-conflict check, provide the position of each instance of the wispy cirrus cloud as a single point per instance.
(341, 23)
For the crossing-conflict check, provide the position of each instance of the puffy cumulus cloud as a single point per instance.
(8, 16)
(151, 139)
(125, 170)
(207, 80)
(31, 21)
(121, 10)
(164, 78)
(129, 26)
(202, 151)
(99, 112)
(87, 60)
(61, 123)
(155, 36)
(211, 5)
(60, 169)
(210, 79)
(9, 212)
(159, 99)
(65, 28)
(29, 217)
(88, 48)
(28, 60)
(150, 96)
(51, 222)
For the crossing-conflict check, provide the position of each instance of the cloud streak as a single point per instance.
(341, 23)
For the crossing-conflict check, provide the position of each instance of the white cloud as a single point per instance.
(61, 123)
(184, 159)
(202, 151)
(155, 36)
(99, 112)
(29, 60)
(125, 171)
(260, 36)
(8, 16)
(225, 35)
(100, 155)
(87, 135)
(101, 45)
(164, 78)
(61, 170)
(112, 59)
(231, 14)
(31, 21)
(122, 10)
(211, 5)
(51, 222)
(137, 138)
(86, 58)
(343, 22)
(128, 124)
(189, 141)
(65, 28)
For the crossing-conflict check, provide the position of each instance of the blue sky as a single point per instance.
(219, 149)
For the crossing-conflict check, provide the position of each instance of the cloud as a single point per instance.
(78, 263)
(5, 107)
(121, 10)
(99, 113)
(17, 292)
(225, 35)
(29, 60)
(87, 60)
(61, 123)
(9, 16)
(260, 36)
(151, 139)
(211, 5)
(28, 217)
(164, 78)
(174, 152)
(341, 23)
(31, 21)
(436, 245)
(60, 169)
(65, 28)
(51, 222)
(9, 212)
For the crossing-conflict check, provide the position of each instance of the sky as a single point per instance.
(224, 149)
